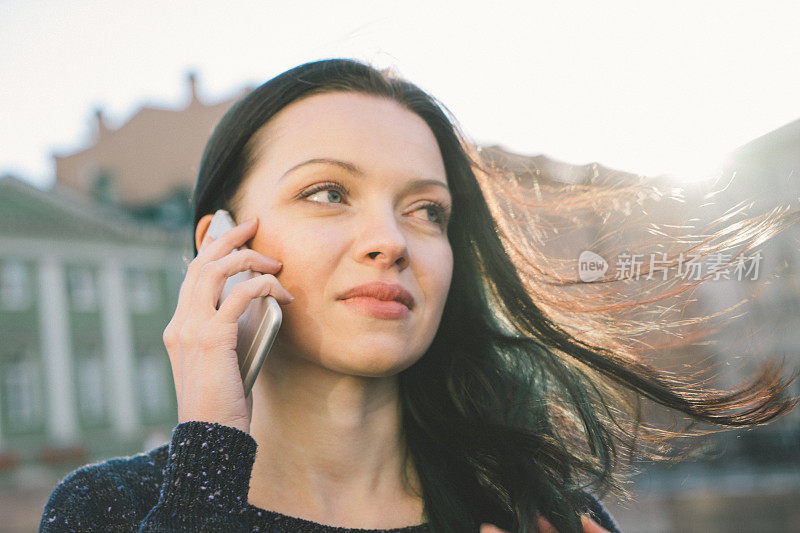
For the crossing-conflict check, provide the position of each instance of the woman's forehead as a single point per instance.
(369, 131)
(324, 117)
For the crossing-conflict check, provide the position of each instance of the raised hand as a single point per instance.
(201, 339)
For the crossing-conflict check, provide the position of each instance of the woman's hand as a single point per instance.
(589, 526)
(201, 340)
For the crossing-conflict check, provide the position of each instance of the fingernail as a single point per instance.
(249, 221)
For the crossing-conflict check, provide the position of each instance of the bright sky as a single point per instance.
(655, 88)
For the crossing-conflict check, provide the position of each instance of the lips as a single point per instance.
(381, 291)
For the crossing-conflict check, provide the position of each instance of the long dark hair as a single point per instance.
(511, 411)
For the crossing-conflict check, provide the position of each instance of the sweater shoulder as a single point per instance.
(100, 495)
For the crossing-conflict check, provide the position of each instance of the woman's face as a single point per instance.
(380, 223)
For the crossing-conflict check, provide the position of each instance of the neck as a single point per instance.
(330, 447)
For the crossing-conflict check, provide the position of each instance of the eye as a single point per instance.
(336, 188)
(336, 193)
(436, 210)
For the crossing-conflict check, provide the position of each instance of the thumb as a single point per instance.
(489, 528)
(590, 526)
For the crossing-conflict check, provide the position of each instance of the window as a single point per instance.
(91, 390)
(153, 383)
(83, 289)
(15, 289)
(21, 382)
(175, 274)
(143, 292)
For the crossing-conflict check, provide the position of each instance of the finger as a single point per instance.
(544, 525)
(489, 528)
(210, 250)
(590, 526)
(207, 239)
(234, 238)
(215, 273)
(242, 294)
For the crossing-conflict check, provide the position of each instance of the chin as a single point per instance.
(373, 363)
(356, 355)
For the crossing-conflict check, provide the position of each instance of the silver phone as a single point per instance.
(259, 323)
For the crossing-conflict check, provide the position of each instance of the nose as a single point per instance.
(381, 242)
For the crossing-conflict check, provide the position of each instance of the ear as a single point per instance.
(202, 228)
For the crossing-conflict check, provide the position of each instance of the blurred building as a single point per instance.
(765, 174)
(750, 480)
(83, 294)
(148, 166)
(89, 275)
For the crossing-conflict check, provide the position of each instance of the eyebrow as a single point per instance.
(356, 171)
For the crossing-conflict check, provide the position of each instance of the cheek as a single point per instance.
(435, 278)
(292, 244)
(308, 255)
(449, 261)
(445, 272)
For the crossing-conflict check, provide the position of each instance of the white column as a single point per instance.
(2, 444)
(62, 422)
(118, 343)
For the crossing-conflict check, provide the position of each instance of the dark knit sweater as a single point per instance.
(197, 482)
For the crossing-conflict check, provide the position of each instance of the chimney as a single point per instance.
(192, 78)
(100, 128)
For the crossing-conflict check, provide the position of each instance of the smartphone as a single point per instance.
(260, 322)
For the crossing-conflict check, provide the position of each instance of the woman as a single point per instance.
(446, 409)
